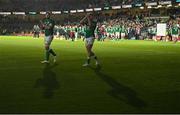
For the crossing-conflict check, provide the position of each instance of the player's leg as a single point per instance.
(53, 53)
(122, 36)
(88, 53)
(38, 34)
(88, 48)
(175, 38)
(91, 54)
(48, 40)
(46, 53)
(49, 43)
(118, 36)
(34, 34)
(51, 50)
(76, 36)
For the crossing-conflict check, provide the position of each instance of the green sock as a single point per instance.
(52, 52)
(88, 60)
(47, 55)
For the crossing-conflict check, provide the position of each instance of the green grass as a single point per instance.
(136, 77)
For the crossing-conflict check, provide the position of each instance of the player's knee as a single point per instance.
(47, 47)
(89, 50)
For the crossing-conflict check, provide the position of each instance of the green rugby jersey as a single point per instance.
(108, 29)
(112, 30)
(48, 22)
(174, 30)
(123, 30)
(117, 29)
(89, 30)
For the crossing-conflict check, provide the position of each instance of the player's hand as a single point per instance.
(42, 26)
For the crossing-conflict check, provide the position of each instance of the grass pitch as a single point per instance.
(135, 77)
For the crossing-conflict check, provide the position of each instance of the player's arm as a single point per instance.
(83, 20)
(42, 25)
(49, 26)
(89, 21)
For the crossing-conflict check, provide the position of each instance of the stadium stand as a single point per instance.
(130, 18)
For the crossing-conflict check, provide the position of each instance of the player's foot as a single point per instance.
(54, 60)
(45, 61)
(85, 65)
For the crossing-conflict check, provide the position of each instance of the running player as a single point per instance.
(175, 32)
(47, 25)
(91, 23)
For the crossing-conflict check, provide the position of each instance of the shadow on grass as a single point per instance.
(48, 81)
(120, 91)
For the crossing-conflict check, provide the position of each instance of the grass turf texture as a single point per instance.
(136, 77)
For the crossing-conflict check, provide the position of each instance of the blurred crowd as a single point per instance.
(10, 25)
(135, 28)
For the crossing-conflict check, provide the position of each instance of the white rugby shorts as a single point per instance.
(48, 39)
(89, 41)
